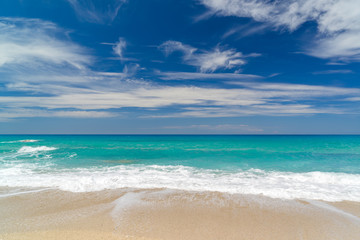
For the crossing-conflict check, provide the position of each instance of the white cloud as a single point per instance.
(289, 13)
(338, 71)
(265, 109)
(35, 43)
(250, 99)
(355, 99)
(7, 114)
(83, 114)
(206, 61)
(38, 58)
(256, 110)
(57, 83)
(338, 21)
(62, 84)
(95, 11)
(171, 46)
(211, 61)
(344, 47)
(245, 30)
(119, 48)
(205, 76)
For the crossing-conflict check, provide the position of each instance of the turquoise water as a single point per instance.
(234, 163)
(282, 153)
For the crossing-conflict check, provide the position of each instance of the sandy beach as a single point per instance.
(171, 214)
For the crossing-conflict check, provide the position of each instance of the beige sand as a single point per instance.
(166, 214)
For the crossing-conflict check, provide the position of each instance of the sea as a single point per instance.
(317, 167)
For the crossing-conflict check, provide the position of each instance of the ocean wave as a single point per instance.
(27, 149)
(29, 140)
(25, 140)
(285, 185)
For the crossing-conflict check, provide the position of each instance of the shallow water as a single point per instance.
(288, 167)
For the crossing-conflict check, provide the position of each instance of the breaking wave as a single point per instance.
(285, 185)
(27, 149)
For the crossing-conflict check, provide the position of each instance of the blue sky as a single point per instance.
(180, 67)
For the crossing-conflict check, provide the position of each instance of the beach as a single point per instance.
(180, 187)
(172, 214)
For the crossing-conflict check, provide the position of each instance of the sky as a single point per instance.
(179, 67)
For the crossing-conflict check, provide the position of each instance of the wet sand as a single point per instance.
(171, 214)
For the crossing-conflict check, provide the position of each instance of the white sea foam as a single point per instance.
(29, 140)
(285, 185)
(16, 193)
(27, 149)
(335, 210)
(125, 203)
(25, 140)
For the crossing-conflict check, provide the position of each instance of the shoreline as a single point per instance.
(172, 214)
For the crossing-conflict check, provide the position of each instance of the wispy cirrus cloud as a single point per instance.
(288, 13)
(337, 71)
(38, 58)
(64, 85)
(205, 76)
(97, 11)
(37, 53)
(355, 99)
(207, 61)
(34, 42)
(256, 110)
(211, 61)
(190, 101)
(245, 30)
(119, 48)
(172, 46)
(338, 22)
(12, 113)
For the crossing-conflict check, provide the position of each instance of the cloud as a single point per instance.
(119, 48)
(8, 114)
(36, 43)
(338, 21)
(189, 101)
(206, 61)
(355, 99)
(97, 11)
(211, 61)
(274, 109)
(62, 84)
(38, 56)
(171, 46)
(70, 82)
(205, 76)
(340, 71)
(343, 47)
(288, 13)
(265, 110)
(39, 59)
(245, 30)
(83, 114)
